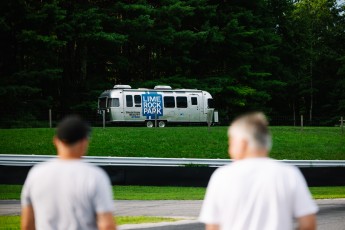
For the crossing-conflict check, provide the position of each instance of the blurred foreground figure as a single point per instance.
(66, 193)
(256, 192)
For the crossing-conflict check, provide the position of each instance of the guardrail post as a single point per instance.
(302, 122)
(209, 118)
(50, 118)
(103, 115)
(294, 120)
(342, 125)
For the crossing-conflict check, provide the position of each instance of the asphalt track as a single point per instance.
(330, 217)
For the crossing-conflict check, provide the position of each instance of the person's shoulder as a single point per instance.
(44, 165)
(223, 170)
(284, 166)
(94, 169)
(224, 174)
(280, 163)
(96, 175)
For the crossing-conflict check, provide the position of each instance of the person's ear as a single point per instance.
(243, 147)
(244, 144)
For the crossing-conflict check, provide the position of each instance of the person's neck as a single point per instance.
(256, 154)
(68, 156)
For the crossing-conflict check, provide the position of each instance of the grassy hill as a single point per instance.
(187, 142)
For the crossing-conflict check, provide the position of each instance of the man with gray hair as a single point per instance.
(256, 192)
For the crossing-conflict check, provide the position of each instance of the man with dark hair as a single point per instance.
(256, 192)
(67, 193)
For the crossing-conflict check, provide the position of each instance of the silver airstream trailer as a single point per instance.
(159, 106)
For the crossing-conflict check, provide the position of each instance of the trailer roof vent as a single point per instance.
(122, 87)
(162, 87)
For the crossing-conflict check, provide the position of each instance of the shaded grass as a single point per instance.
(13, 222)
(320, 143)
(8, 192)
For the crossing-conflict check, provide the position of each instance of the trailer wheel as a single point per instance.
(161, 124)
(149, 124)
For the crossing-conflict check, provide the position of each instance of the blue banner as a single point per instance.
(152, 105)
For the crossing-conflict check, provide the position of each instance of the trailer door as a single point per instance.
(115, 109)
(194, 108)
(132, 111)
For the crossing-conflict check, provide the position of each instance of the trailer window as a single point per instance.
(181, 102)
(194, 101)
(137, 100)
(210, 103)
(113, 102)
(129, 100)
(102, 103)
(169, 102)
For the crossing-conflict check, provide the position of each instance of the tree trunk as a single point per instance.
(294, 113)
(83, 62)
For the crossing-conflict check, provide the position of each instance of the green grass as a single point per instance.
(9, 222)
(8, 192)
(121, 220)
(320, 143)
(328, 192)
(158, 193)
(13, 222)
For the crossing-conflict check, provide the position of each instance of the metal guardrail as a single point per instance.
(29, 160)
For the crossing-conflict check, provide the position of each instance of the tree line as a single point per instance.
(284, 57)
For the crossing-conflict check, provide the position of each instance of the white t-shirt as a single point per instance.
(256, 193)
(67, 194)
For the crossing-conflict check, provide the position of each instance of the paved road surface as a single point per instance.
(330, 217)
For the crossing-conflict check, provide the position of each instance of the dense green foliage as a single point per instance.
(175, 142)
(12, 192)
(284, 57)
